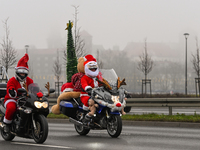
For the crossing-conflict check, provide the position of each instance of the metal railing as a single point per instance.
(163, 102)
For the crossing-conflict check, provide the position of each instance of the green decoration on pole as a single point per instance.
(71, 67)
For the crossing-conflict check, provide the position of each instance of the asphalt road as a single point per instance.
(64, 136)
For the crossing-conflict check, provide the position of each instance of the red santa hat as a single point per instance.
(22, 66)
(67, 87)
(89, 58)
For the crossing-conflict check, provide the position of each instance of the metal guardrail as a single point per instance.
(163, 102)
(155, 102)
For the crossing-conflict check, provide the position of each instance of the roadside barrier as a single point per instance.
(155, 102)
(163, 102)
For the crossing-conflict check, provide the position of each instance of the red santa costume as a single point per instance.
(13, 84)
(67, 87)
(89, 81)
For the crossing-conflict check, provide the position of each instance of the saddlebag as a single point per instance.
(3, 89)
(69, 108)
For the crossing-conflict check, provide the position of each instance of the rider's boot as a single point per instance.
(87, 119)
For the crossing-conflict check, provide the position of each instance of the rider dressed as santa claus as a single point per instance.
(88, 81)
(14, 83)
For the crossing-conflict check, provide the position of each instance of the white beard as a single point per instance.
(90, 73)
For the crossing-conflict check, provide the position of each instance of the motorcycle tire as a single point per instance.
(41, 133)
(114, 126)
(81, 130)
(6, 136)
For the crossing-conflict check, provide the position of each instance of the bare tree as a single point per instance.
(146, 63)
(79, 43)
(100, 63)
(8, 53)
(57, 67)
(195, 62)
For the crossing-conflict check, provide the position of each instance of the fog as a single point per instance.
(111, 23)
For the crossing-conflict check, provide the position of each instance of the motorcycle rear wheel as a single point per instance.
(41, 132)
(114, 126)
(81, 130)
(6, 136)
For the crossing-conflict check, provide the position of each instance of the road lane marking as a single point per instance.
(40, 145)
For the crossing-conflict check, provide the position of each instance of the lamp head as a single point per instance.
(186, 35)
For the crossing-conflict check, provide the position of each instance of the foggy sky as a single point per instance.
(110, 22)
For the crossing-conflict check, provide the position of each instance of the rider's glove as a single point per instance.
(12, 92)
(89, 91)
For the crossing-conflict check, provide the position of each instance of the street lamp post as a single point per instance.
(186, 36)
(27, 46)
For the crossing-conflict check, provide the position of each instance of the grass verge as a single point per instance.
(149, 117)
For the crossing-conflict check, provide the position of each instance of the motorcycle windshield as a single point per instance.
(110, 75)
(34, 88)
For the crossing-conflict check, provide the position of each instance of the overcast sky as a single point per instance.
(110, 22)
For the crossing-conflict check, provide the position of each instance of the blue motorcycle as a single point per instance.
(111, 100)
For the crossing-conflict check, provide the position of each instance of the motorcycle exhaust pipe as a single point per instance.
(75, 121)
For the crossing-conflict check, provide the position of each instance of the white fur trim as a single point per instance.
(9, 100)
(87, 87)
(85, 108)
(14, 96)
(18, 68)
(7, 121)
(95, 82)
(67, 90)
(92, 63)
(84, 95)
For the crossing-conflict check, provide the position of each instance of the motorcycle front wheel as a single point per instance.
(41, 132)
(114, 126)
(6, 136)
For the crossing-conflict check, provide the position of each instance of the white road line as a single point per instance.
(40, 145)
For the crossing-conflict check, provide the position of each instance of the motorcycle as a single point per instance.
(110, 99)
(29, 121)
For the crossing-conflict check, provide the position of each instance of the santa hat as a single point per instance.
(67, 87)
(22, 66)
(89, 58)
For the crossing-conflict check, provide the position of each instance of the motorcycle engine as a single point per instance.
(103, 122)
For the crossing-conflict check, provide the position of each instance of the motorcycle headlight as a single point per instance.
(115, 98)
(41, 104)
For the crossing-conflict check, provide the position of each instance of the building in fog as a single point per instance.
(87, 39)
(157, 51)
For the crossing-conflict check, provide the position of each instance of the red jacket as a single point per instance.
(14, 83)
(88, 82)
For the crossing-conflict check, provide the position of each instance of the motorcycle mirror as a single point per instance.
(21, 90)
(51, 90)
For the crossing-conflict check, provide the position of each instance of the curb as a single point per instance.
(142, 123)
